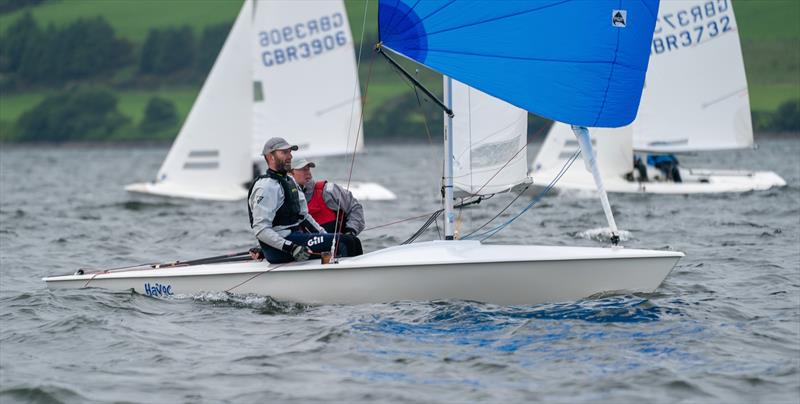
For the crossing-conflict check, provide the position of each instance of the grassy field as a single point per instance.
(769, 30)
(132, 19)
(131, 103)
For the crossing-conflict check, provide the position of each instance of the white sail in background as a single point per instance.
(488, 134)
(205, 160)
(287, 69)
(612, 147)
(305, 77)
(695, 96)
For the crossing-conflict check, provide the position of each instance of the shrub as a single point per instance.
(159, 114)
(167, 51)
(787, 117)
(81, 114)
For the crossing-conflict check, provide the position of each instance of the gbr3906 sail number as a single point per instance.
(302, 40)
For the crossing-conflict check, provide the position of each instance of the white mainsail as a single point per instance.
(695, 96)
(305, 77)
(489, 142)
(206, 159)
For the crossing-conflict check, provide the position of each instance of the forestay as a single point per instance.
(489, 142)
(207, 155)
(305, 77)
(695, 95)
(581, 62)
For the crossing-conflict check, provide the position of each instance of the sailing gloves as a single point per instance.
(298, 252)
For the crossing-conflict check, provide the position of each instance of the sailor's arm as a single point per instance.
(337, 197)
(265, 200)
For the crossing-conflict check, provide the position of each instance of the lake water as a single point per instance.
(724, 327)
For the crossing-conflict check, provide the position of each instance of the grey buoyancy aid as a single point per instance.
(289, 212)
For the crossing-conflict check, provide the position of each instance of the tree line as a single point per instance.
(86, 61)
(88, 50)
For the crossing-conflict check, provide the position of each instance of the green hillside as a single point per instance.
(769, 31)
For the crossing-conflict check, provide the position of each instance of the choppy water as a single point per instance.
(724, 327)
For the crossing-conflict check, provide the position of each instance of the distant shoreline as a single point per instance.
(377, 142)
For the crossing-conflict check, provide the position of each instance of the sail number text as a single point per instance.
(691, 26)
(302, 40)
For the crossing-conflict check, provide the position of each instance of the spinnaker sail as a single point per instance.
(580, 62)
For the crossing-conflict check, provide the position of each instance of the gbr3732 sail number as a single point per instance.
(691, 26)
(302, 40)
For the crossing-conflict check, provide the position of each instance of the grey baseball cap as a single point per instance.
(277, 143)
(301, 162)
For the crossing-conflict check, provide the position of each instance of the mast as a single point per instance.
(582, 133)
(449, 217)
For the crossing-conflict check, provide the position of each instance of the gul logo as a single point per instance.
(157, 290)
(619, 18)
(315, 240)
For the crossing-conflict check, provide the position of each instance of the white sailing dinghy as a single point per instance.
(286, 69)
(695, 100)
(471, 269)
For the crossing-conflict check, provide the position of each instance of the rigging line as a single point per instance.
(336, 225)
(253, 277)
(419, 103)
(424, 118)
(538, 132)
(398, 221)
(495, 230)
(563, 170)
(547, 189)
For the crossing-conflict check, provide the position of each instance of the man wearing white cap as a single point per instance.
(279, 213)
(333, 207)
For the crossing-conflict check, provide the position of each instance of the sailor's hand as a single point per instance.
(256, 253)
(349, 231)
(298, 252)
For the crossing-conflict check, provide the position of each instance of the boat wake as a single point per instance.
(602, 234)
(261, 304)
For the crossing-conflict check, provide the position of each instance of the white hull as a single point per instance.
(363, 191)
(694, 182)
(463, 270)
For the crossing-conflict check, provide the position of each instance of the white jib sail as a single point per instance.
(488, 134)
(206, 157)
(695, 96)
(305, 77)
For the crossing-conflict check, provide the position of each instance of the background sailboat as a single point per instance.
(695, 99)
(286, 69)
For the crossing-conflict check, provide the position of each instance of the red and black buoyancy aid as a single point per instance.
(319, 210)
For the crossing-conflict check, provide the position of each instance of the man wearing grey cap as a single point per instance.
(279, 213)
(333, 207)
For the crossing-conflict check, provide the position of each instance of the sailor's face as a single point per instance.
(302, 175)
(283, 159)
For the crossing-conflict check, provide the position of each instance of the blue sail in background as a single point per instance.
(581, 62)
